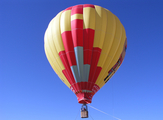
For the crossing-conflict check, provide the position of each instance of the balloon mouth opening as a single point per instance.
(84, 98)
(84, 101)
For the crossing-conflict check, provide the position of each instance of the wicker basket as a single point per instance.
(84, 114)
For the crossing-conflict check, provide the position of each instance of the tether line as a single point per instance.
(77, 115)
(104, 112)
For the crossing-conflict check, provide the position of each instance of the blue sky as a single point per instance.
(30, 89)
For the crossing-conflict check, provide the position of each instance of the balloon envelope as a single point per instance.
(85, 45)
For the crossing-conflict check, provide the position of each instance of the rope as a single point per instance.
(77, 115)
(91, 117)
(104, 112)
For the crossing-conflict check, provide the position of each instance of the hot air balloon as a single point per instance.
(85, 45)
